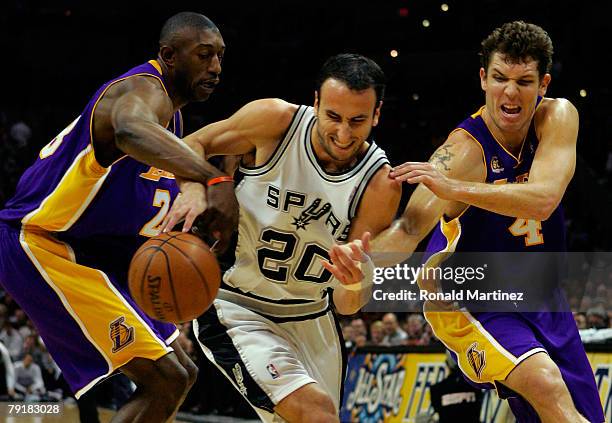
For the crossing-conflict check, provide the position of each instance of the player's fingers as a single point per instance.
(340, 268)
(169, 221)
(407, 167)
(332, 269)
(189, 219)
(339, 271)
(412, 174)
(365, 241)
(419, 179)
(358, 253)
(347, 264)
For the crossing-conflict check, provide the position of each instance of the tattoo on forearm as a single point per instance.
(442, 156)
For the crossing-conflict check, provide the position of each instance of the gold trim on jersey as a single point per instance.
(484, 156)
(79, 185)
(156, 65)
(518, 161)
(93, 109)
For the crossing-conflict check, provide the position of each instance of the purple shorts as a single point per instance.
(86, 317)
(488, 346)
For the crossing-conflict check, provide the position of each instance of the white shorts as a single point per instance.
(267, 357)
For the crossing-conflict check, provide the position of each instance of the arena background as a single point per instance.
(56, 54)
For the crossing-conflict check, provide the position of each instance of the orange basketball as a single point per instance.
(174, 277)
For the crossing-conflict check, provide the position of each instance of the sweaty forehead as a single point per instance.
(503, 63)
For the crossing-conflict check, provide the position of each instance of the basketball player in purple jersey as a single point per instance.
(496, 185)
(95, 193)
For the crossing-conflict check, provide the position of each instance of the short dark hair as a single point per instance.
(518, 42)
(357, 72)
(182, 21)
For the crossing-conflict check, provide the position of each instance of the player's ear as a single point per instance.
(483, 79)
(377, 113)
(316, 102)
(544, 84)
(166, 53)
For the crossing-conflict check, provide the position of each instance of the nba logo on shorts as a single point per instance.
(121, 334)
(476, 358)
(272, 370)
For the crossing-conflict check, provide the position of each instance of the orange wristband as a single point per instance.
(218, 180)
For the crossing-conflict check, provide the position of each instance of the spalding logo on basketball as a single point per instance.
(174, 277)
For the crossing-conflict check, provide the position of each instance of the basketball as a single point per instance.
(174, 277)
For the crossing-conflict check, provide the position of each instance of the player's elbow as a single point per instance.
(126, 136)
(123, 135)
(546, 207)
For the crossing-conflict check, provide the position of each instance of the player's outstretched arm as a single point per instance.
(256, 127)
(459, 157)
(259, 125)
(551, 171)
(376, 211)
(139, 117)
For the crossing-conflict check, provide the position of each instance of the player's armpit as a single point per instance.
(259, 125)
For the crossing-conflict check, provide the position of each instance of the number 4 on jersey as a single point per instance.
(530, 229)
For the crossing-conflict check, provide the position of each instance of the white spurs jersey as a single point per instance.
(291, 213)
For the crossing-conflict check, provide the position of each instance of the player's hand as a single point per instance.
(427, 174)
(346, 260)
(190, 203)
(220, 219)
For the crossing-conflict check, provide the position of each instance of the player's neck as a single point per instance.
(178, 101)
(510, 140)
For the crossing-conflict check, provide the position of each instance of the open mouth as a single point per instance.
(209, 85)
(511, 110)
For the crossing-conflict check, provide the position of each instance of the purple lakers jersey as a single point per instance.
(480, 235)
(479, 230)
(66, 191)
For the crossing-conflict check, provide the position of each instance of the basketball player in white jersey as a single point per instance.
(314, 180)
